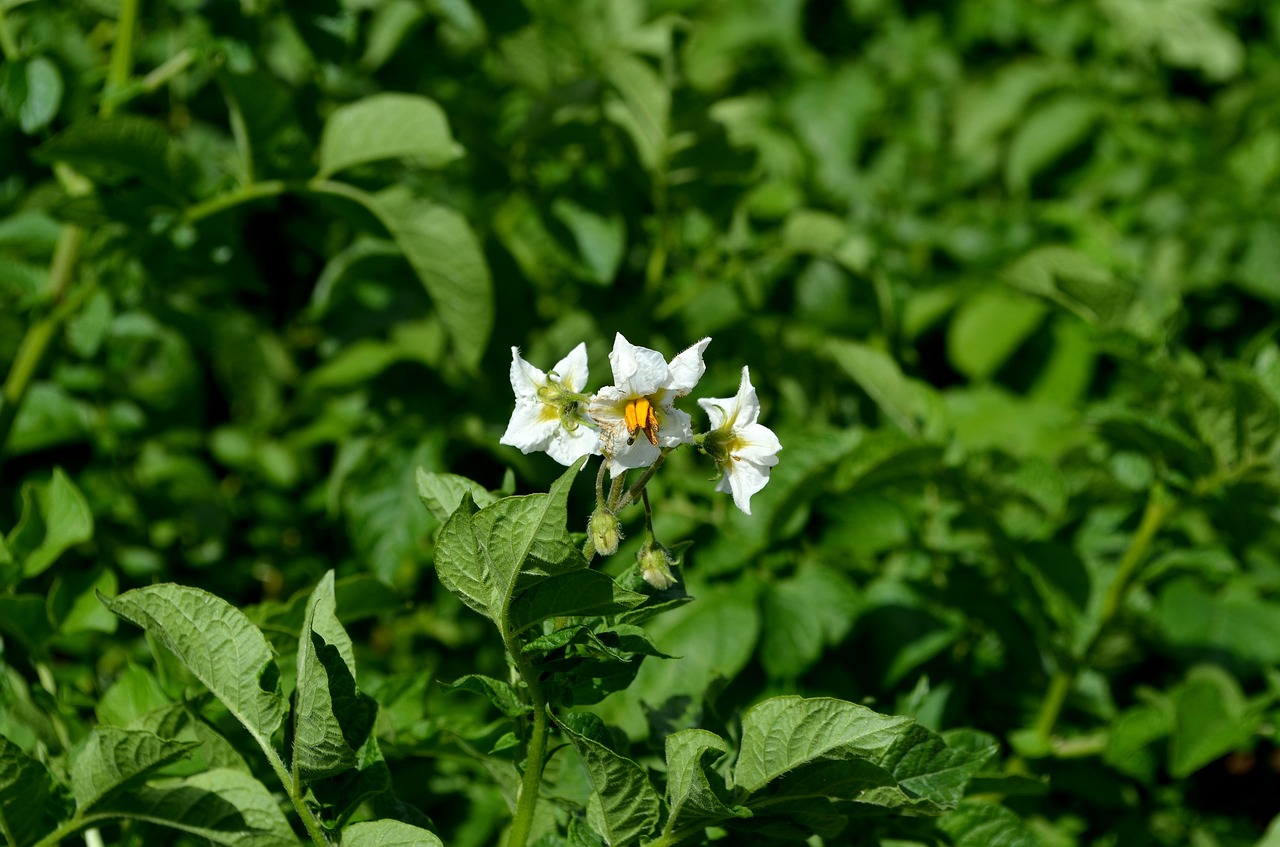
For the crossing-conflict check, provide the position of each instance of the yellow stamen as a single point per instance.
(641, 417)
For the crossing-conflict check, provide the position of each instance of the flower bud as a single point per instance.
(603, 532)
(655, 563)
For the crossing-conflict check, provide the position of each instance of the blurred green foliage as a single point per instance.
(1006, 275)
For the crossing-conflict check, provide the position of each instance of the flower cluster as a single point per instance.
(634, 422)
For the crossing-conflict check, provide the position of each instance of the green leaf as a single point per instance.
(30, 92)
(1050, 132)
(576, 594)
(73, 601)
(123, 145)
(387, 833)
(909, 403)
(24, 617)
(643, 106)
(218, 644)
(783, 733)
(226, 807)
(446, 255)
(479, 555)
(624, 806)
(332, 718)
(695, 793)
(113, 757)
(936, 767)
(387, 126)
(442, 492)
(1211, 719)
(978, 824)
(988, 328)
(497, 692)
(801, 614)
(601, 240)
(24, 795)
(54, 518)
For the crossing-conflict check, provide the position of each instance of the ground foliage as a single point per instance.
(1006, 276)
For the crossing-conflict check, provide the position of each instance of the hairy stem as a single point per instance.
(293, 787)
(531, 781)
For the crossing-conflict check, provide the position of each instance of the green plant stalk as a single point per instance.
(296, 795)
(1159, 507)
(121, 57)
(531, 781)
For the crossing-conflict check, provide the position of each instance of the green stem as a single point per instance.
(531, 781)
(214, 205)
(635, 490)
(170, 69)
(121, 57)
(1159, 507)
(294, 790)
(676, 836)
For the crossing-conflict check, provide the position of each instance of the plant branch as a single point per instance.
(214, 205)
(535, 758)
(121, 57)
(1159, 507)
(296, 795)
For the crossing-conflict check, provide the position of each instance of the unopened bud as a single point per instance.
(603, 532)
(655, 563)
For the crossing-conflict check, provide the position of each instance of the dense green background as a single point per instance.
(1005, 274)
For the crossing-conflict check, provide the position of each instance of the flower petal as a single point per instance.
(638, 371)
(568, 446)
(638, 454)
(675, 427)
(687, 368)
(571, 371)
(745, 479)
(532, 426)
(525, 378)
(757, 443)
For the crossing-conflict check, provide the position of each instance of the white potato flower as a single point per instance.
(548, 414)
(635, 414)
(743, 449)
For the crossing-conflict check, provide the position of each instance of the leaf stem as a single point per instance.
(1159, 507)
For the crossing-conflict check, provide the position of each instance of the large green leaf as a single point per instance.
(446, 255)
(227, 807)
(24, 792)
(784, 733)
(480, 555)
(332, 718)
(980, 824)
(624, 806)
(113, 757)
(387, 833)
(54, 518)
(218, 644)
(387, 126)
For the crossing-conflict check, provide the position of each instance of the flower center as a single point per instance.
(641, 417)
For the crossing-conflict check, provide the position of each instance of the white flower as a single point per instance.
(635, 414)
(743, 449)
(548, 414)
